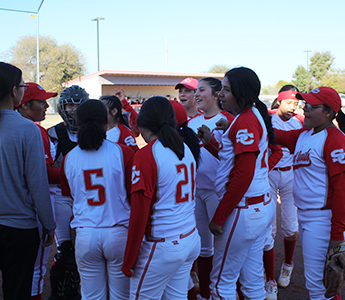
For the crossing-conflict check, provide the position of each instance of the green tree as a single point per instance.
(57, 63)
(300, 79)
(320, 64)
(335, 79)
(218, 69)
(281, 83)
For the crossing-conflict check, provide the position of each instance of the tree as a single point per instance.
(57, 63)
(335, 79)
(218, 69)
(300, 79)
(320, 64)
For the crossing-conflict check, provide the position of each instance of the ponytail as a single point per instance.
(262, 108)
(191, 140)
(157, 115)
(341, 120)
(92, 118)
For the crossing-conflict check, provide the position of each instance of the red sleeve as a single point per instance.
(276, 155)
(287, 138)
(140, 210)
(65, 189)
(338, 207)
(127, 138)
(128, 155)
(334, 153)
(213, 147)
(132, 118)
(244, 169)
(52, 171)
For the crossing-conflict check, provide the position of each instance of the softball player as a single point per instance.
(118, 128)
(245, 211)
(97, 174)
(162, 209)
(33, 107)
(206, 96)
(319, 174)
(64, 277)
(281, 182)
(186, 90)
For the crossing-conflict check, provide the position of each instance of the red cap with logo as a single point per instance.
(36, 92)
(189, 83)
(180, 112)
(322, 95)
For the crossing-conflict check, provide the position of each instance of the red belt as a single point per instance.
(282, 169)
(255, 200)
(181, 236)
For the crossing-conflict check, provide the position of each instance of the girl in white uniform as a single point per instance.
(96, 174)
(162, 209)
(118, 128)
(245, 211)
(319, 175)
(206, 96)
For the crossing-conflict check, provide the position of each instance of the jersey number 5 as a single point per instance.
(90, 187)
(183, 169)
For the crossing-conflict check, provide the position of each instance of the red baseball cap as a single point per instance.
(35, 91)
(322, 95)
(180, 112)
(189, 83)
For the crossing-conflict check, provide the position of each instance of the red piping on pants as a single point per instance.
(226, 250)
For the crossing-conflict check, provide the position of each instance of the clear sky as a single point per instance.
(269, 36)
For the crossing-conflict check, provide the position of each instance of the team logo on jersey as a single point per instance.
(244, 137)
(129, 141)
(338, 155)
(135, 175)
(301, 159)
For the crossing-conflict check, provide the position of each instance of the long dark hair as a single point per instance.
(92, 117)
(10, 76)
(112, 101)
(157, 115)
(245, 86)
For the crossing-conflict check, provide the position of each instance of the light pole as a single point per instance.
(97, 19)
(307, 69)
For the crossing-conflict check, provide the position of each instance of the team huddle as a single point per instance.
(192, 214)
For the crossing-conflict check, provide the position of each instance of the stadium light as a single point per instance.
(97, 20)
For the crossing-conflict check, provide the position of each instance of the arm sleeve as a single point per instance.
(338, 207)
(132, 118)
(243, 176)
(65, 189)
(37, 179)
(140, 210)
(213, 147)
(276, 155)
(287, 138)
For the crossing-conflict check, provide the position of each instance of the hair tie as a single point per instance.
(164, 123)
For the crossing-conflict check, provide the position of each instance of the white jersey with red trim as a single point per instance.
(291, 124)
(96, 182)
(170, 183)
(208, 165)
(317, 156)
(247, 133)
(122, 135)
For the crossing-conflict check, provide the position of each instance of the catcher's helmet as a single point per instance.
(73, 94)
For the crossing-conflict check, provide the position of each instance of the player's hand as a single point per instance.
(128, 273)
(47, 239)
(215, 229)
(204, 134)
(120, 93)
(222, 124)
